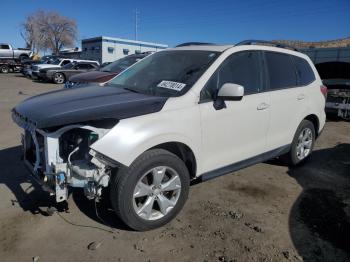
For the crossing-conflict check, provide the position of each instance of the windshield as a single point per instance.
(120, 65)
(166, 73)
(47, 60)
(55, 61)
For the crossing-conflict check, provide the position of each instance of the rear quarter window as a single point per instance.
(304, 71)
(281, 71)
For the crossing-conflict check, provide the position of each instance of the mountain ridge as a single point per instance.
(342, 42)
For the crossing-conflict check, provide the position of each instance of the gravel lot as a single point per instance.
(267, 212)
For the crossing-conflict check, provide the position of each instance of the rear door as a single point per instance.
(288, 100)
(237, 132)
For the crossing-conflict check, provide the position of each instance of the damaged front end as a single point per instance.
(338, 102)
(62, 158)
(338, 97)
(60, 126)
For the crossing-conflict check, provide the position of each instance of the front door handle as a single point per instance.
(263, 106)
(301, 97)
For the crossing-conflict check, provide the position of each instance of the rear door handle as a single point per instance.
(301, 97)
(263, 106)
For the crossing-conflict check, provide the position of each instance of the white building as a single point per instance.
(108, 49)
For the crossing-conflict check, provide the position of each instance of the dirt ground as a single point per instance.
(267, 212)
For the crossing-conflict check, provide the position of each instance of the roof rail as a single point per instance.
(276, 44)
(193, 43)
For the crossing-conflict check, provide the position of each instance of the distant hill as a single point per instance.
(344, 42)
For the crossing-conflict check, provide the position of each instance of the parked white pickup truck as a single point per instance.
(8, 52)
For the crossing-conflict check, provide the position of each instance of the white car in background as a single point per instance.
(193, 112)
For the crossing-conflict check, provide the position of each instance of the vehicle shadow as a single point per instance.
(319, 221)
(30, 197)
(14, 175)
(101, 212)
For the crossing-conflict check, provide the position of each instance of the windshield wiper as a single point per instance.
(131, 90)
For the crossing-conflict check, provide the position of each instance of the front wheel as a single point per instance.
(302, 145)
(152, 191)
(59, 78)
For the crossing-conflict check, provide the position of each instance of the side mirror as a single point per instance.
(231, 92)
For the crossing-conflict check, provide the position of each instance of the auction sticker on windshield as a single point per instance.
(172, 85)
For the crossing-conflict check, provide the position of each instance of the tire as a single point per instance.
(22, 57)
(59, 78)
(294, 156)
(125, 186)
(4, 69)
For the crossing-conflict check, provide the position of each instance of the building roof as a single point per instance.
(123, 41)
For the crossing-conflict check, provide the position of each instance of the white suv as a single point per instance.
(189, 113)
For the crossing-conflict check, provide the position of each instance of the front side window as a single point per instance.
(241, 68)
(85, 66)
(166, 73)
(5, 46)
(70, 65)
(281, 71)
(65, 62)
(304, 71)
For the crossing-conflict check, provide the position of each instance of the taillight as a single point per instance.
(324, 90)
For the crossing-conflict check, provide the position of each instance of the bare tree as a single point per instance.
(49, 30)
(29, 33)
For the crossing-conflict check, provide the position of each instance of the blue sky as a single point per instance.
(182, 21)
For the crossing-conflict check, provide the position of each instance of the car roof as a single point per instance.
(209, 47)
(222, 48)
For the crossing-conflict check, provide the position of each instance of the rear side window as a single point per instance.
(281, 71)
(304, 71)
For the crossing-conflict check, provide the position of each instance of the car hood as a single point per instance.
(93, 76)
(70, 106)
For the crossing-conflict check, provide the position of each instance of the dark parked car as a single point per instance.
(59, 75)
(105, 73)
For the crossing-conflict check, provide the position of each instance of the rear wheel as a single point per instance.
(4, 69)
(59, 78)
(302, 145)
(152, 191)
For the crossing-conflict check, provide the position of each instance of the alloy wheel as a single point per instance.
(59, 78)
(156, 193)
(304, 144)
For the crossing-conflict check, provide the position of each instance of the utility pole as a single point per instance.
(136, 22)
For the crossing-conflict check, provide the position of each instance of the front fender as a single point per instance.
(131, 137)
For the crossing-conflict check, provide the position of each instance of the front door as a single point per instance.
(237, 132)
